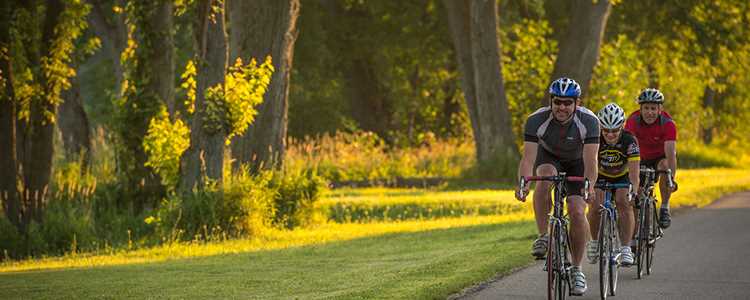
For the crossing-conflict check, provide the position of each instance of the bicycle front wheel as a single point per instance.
(556, 285)
(604, 254)
(653, 233)
(643, 238)
(614, 266)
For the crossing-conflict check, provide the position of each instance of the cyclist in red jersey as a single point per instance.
(657, 137)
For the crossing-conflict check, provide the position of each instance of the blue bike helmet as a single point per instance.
(565, 87)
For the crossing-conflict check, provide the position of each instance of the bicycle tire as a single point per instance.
(563, 278)
(654, 231)
(552, 264)
(604, 255)
(614, 266)
(642, 240)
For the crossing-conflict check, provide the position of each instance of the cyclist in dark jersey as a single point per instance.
(619, 159)
(563, 137)
(657, 137)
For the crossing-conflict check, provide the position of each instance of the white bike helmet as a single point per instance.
(611, 116)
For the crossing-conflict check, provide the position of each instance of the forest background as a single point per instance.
(131, 124)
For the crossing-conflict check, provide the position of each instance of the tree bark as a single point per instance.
(204, 158)
(38, 144)
(74, 125)
(114, 37)
(160, 58)
(259, 29)
(580, 45)
(8, 159)
(474, 30)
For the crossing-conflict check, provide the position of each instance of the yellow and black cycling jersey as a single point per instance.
(613, 158)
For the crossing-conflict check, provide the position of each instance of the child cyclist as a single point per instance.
(619, 159)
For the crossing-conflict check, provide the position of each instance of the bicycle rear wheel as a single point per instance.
(604, 254)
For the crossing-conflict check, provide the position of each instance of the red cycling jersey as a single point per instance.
(651, 137)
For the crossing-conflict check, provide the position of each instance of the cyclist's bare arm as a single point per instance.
(526, 164)
(670, 151)
(591, 169)
(634, 172)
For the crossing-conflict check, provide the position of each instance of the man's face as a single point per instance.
(562, 108)
(650, 112)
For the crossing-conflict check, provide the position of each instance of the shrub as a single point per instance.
(245, 206)
(11, 241)
(295, 198)
(66, 227)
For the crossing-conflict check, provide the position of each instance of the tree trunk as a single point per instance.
(204, 158)
(474, 30)
(579, 46)
(152, 79)
(160, 58)
(74, 125)
(114, 37)
(8, 159)
(36, 163)
(259, 29)
(368, 101)
(709, 96)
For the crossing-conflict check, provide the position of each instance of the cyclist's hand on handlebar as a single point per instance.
(522, 192)
(592, 194)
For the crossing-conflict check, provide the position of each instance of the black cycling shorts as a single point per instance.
(615, 180)
(653, 164)
(571, 168)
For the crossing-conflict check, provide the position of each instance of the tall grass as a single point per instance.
(363, 156)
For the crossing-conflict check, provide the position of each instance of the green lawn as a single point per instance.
(428, 264)
(419, 258)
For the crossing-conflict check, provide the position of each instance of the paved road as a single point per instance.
(704, 255)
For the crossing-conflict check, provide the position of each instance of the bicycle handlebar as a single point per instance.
(558, 178)
(670, 180)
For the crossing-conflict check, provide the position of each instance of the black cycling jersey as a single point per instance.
(563, 141)
(613, 158)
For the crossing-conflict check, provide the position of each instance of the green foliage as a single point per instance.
(231, 108)
(164, 144)
(406, 52)
(618, 76)
(245, 206)
(11, 241)
(297, 193)
(528, 55)
(189, 85)
(67, 228)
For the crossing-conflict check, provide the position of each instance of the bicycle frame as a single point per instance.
(609, 239)
(558, 251)
(647, 231)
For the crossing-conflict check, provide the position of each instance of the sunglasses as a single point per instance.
(559, 102)
(604, 130)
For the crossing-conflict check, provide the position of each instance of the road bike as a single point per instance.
(558, 247)
(648, 231)
(609, 238)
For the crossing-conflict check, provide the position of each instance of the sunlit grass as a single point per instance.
(404, 259)
(268, 241)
